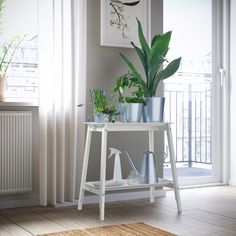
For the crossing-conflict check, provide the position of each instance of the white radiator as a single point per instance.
(15, 151)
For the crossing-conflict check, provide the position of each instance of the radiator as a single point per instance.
(15, 151)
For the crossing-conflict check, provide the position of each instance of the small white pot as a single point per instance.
(3, 83)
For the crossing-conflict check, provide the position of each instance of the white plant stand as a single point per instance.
(100, 187)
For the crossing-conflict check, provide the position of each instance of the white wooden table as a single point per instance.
(101, 189)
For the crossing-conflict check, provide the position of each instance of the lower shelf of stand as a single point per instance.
(95, 186)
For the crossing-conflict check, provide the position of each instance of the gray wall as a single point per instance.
(104, 65)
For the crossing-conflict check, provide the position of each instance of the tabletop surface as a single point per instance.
(123, 125)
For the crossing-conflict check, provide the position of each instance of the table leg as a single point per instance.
(151, 148)
(103, 174)
(173, 168)
(85, 168)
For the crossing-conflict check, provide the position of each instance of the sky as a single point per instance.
(191, 25)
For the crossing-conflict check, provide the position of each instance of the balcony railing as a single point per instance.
(188, 106)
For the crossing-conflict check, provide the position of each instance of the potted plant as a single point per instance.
(129, 106)
(152, 58)
(7, 52)
(103, 108)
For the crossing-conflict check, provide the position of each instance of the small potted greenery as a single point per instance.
(103, 108)
(130, 105)
(152, 58)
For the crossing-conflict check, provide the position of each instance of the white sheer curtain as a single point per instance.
(62, 43)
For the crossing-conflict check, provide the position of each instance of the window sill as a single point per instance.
(19, 102)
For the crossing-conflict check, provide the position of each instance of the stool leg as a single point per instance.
(85, 167)
(151, 148)
(103, 174)
(173, 169)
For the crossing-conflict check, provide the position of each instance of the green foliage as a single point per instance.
(7, 52)
(125, 82)
(102, 103)
(152, 59)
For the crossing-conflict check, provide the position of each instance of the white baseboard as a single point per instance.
(4, 204)
(232, 182)
(113, 197)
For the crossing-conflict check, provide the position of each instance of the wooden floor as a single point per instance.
(206, 211)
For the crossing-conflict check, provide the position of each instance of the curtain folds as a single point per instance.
(62, 87)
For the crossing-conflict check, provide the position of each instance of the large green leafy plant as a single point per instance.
(152, 59)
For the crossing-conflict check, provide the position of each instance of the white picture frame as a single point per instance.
(118, 22)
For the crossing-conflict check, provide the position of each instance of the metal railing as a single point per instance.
(188, 106)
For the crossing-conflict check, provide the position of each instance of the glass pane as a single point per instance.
(20, 18)
(188, 93)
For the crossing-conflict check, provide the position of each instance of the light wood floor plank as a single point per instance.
(206, 211)
(11, 228)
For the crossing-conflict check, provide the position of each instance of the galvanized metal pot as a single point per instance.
(148, 168)
(100, 117)
(153, 111)
(130, 112)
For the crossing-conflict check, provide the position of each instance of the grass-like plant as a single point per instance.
(152, 59)
(7, 52)
(102, 102)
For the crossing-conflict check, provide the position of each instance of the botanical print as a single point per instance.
(119, 19)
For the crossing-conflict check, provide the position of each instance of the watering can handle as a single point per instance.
(164, 156)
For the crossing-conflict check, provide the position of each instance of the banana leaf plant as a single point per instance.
(152, 59)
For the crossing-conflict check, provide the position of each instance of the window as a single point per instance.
(20, 18)
(190, 95)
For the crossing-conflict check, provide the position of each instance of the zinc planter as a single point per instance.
(100, 117)
(130, 112)
(153, 111)
(3, 82)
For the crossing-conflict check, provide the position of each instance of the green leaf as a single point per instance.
(154, 65)
(142, 58)
(170, 69)
(135, 72)
(143, 41)
(166, 73)
(161, 44)
(156, 37)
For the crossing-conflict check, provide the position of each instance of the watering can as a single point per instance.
(148, 168)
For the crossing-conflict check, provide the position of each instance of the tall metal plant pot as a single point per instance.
(130, 112)
(153, 111)
(3, 82)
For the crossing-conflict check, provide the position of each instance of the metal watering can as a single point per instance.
(148, 171)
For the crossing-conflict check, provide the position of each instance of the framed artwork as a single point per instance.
(119, 24)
